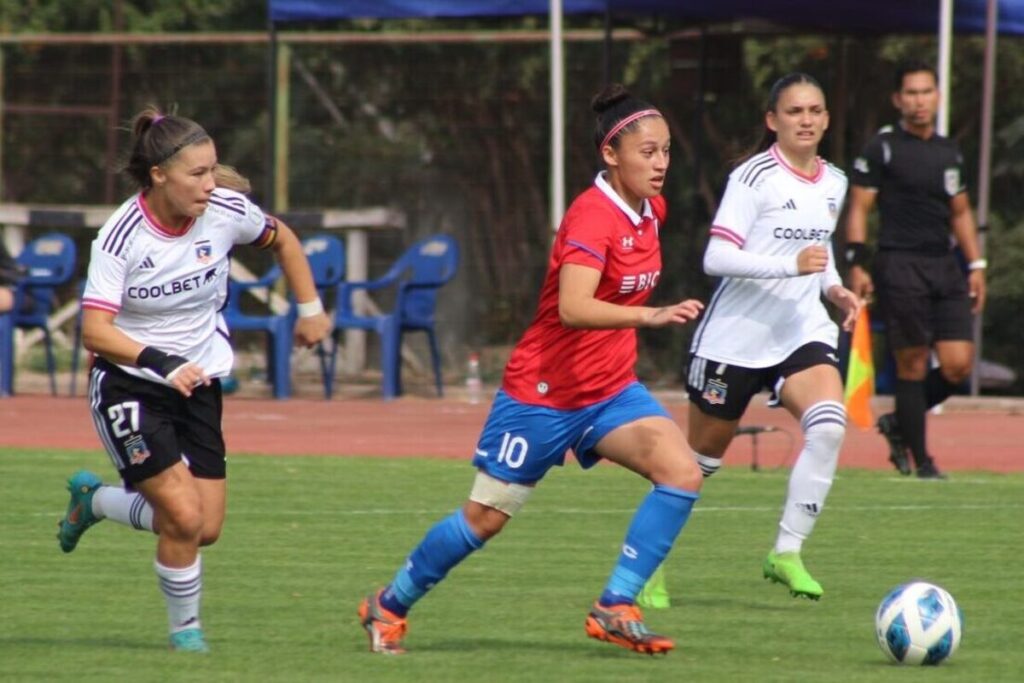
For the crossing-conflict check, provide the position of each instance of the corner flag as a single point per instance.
(860, 374)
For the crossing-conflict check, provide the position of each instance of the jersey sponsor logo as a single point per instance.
(136, 449)
(791, 205)
(638, 283)
(715, 392)
(627, 243)
(204, 251)
(803, 234)
(171, 288)
(147, 264)
(951, 181)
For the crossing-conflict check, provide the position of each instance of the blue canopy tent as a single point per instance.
(835, 16)
(846, 16)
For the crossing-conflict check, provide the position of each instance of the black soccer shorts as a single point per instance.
(724, 391)
(148, 427)
(922, 298)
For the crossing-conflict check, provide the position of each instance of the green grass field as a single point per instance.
(307, 537)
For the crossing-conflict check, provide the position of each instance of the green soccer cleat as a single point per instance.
(189, 640)
(654, 594)
(788, 569)
(79, 515)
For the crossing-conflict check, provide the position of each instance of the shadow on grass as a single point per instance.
(474, 646)
(116, 643)
(783, 605)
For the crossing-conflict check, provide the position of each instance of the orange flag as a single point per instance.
(860, 374)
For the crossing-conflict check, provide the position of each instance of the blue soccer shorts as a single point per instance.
(521, 442)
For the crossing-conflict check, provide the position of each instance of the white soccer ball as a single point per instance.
(918, 623)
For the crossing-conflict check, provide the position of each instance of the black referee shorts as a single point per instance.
(923, 298)
(147, 427)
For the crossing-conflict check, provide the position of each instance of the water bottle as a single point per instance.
(474, 385)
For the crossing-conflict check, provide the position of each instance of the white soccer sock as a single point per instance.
(707, 464)
(182, 589)
(824, 425)
(129, 508)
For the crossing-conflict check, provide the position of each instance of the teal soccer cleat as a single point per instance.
(189, 640)
(79, 516)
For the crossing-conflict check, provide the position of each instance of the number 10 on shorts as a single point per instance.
(513, 450)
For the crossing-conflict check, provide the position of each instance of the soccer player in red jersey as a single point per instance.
(570, 384)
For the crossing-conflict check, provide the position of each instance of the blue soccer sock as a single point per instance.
(657, 522)
(446, 544)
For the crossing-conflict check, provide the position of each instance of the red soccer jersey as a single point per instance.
(560, 367)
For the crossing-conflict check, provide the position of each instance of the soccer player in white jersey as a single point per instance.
(157, 281)
(766, 325)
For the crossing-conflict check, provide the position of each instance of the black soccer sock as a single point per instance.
(937, 388)
(910, 413)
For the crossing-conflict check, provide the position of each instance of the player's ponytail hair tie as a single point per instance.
(157, 119)
(632, 118)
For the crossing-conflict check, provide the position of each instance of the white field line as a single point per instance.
(383, 512)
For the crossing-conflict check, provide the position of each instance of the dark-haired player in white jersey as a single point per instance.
(765, 326)
(157, 281)
(570, 385)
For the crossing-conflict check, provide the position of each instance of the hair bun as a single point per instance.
(611, 95)
(145, 119)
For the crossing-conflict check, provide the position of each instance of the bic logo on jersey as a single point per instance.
(638, 283)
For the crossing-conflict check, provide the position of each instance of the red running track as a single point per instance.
(971, 434)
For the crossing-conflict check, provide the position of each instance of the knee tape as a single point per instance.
(500, 495)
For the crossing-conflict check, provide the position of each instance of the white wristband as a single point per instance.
(977, 264)
(307, 309)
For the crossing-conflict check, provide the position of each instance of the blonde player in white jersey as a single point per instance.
(157, 281)
(766, 325)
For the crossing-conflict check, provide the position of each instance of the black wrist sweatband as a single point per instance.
(857, 254)
(159, 362)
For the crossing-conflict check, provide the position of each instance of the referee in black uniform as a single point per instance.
(924, 297)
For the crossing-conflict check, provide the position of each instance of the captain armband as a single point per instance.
(269, 234)
(857, 254)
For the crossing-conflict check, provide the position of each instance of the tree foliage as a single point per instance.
(457, 135)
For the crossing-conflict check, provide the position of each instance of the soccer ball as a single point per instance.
(918, 623)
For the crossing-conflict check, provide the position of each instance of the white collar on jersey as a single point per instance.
(610, 192)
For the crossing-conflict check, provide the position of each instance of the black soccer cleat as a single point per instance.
(890, 429)
(928, 470)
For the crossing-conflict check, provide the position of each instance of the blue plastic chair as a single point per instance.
(417, 276)
(76, 344)
(326, 255)
(6, 353)
(50, 262)
(327, 259)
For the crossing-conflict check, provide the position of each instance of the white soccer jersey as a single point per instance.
(771, 208)
(167, 289)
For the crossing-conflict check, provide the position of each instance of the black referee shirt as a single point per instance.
(915, 179)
